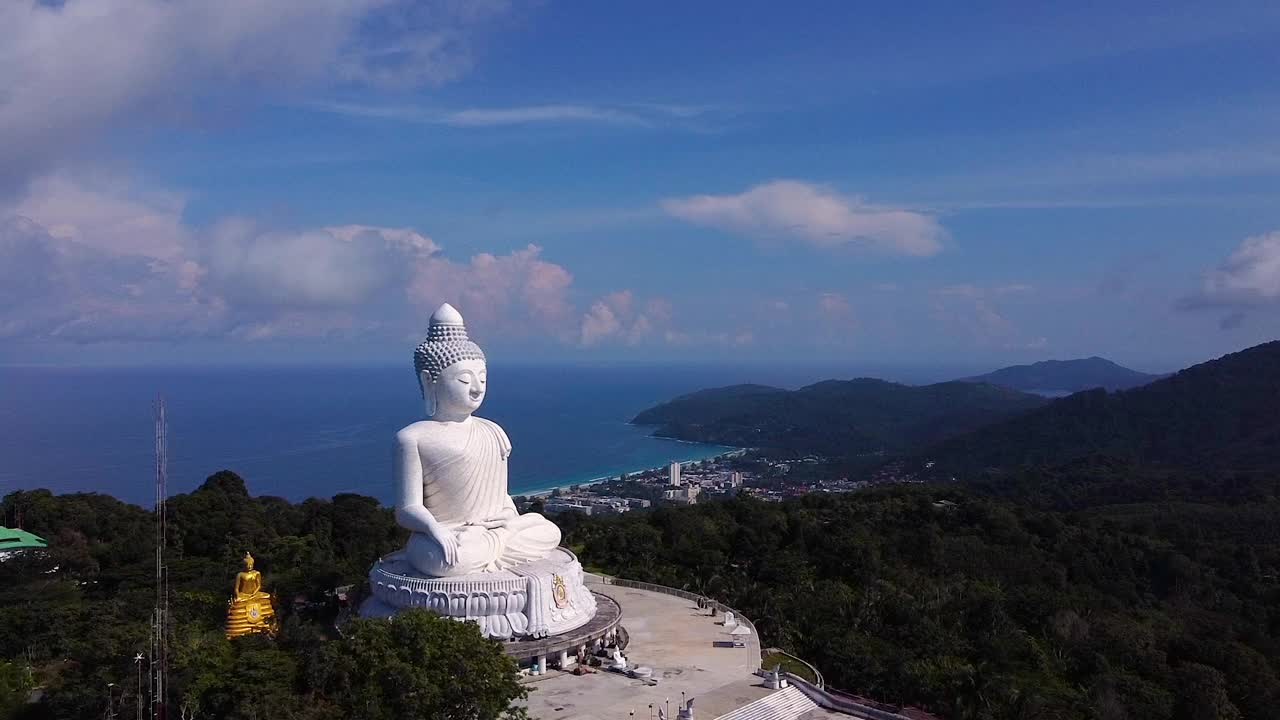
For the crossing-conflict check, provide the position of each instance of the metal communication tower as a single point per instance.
(159, 675)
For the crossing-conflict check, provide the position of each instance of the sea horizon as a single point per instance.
(299, 431)
(317, 431)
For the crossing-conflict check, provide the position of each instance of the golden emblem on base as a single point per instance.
(559, 593)
(249, 611)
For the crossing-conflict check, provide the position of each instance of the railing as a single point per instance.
(840, 704)
(822, 684)
(663, 589)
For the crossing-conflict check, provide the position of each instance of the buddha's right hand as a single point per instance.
(448, 543)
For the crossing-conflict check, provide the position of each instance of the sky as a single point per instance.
(304, 181)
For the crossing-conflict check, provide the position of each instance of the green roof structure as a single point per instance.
(12, 539)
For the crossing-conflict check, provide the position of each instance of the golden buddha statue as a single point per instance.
(249, 611)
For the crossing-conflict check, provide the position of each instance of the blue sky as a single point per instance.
(944, 183)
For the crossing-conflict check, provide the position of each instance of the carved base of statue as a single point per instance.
(531, 600)
(252, 615)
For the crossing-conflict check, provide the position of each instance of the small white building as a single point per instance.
(687, 494)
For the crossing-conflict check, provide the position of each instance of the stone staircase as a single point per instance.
(787, 704)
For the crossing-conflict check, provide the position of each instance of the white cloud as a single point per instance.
(633, 115)
(519, 294)
(1249, 276)
(615, 318)
(108, 214)
(58, 288)
(1248, 279)
(410, 43)
(69, 70)
(540, 114)
(107, 262)
(319, 268)
(812, 213)
(599, 322)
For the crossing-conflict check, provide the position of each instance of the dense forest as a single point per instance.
(836, 418)
(1097, 589)
(1219, 415)
(72, 620)
(1088, 591)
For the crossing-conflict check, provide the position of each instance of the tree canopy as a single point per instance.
(837, 418)
(73, 618)
(1091, 591)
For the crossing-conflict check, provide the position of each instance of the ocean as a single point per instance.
(315, 431)
(318, 431)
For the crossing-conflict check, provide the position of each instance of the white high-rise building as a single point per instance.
(673, 474)
(735, 479)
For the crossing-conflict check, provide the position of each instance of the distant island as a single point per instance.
(1063, 377)
(836, 418)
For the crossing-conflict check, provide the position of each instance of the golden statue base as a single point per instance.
(251, 615)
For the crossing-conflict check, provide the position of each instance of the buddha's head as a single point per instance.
(248, 561)
(451, 369)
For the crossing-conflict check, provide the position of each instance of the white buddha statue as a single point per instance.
(451, 469)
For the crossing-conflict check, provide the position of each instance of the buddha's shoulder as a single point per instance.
(421, 429)
(498, 431)
(414, 432)
(487, 423)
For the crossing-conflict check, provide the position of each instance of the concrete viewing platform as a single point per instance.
(675, 638)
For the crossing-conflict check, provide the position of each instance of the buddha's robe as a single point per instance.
(471, 487)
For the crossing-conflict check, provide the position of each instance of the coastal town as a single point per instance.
(741, 472)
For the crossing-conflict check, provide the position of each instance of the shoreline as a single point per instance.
(724, 451)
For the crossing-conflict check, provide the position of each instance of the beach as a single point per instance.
(721, 451)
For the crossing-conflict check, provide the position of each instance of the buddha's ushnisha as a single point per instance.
(451, 469)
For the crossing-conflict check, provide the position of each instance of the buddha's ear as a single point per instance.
(428, 393)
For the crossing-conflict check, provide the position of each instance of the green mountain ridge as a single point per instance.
(1220, 414)
(841, 418)
(1066, 376)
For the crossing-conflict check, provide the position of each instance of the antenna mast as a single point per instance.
(159, 675)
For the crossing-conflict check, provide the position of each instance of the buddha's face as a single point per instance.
(461, 387)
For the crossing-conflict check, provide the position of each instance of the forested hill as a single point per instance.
(1099, 591)
(838, 418)
(1067, 376)
(72, 618)
(1219, 415)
